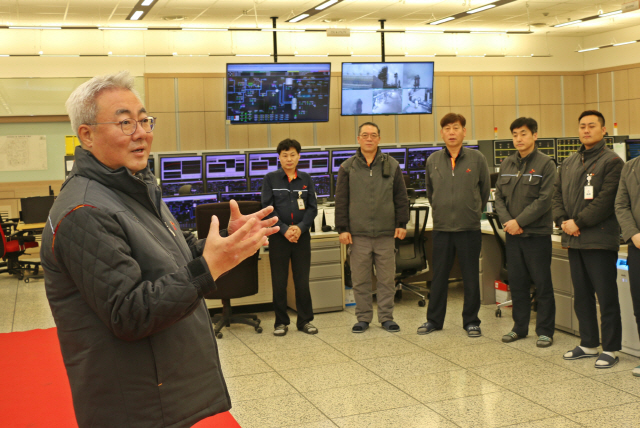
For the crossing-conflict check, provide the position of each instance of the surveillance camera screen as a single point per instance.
(278, 93)
(387, 88)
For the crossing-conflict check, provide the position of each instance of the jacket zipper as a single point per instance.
(169, 229)
(155, 237)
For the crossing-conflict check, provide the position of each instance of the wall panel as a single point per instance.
(550, 121)
(528, 90)
(387, 125)
(502, 118)
(634, 111)
(164, 133)
(335, 93)
(409, 128)
(605, 89)
(214, 94)
(428, 131)
(529, 111)
(191, 94)
(550, 90)
(504, 90)
(214, 130)
(238, 136)
(634, 84)
(482, 90)
(161, 95)
(347, 130)
(441, 91)
(460, 91)
(258, 136)
(328, 133)
(192, 131)
(484, 122)
(606, 108)
(590, 88)
(573, 89)
(303, 132)
(622, 118)
(621, 83)
(571, 115)
(279, 132)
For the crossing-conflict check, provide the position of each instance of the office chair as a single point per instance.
(14, 244)
(242, 280)
(411, 258)
(499, 234)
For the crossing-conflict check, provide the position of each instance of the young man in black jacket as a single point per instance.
(628, 214)
(458, 187)
(293, 196)
(583, 206)
(524, 194)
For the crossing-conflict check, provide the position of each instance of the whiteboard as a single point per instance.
(23, 153)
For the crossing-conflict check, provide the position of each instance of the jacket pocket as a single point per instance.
(532, 186)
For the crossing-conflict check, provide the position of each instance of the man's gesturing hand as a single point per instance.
(223, 254)
(237, 220)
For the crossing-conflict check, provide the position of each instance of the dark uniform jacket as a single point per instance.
(371, 200)
(628, 199)
(125, 288)
(595, 217)
(457, 196)
(284, 195)
(524, 192)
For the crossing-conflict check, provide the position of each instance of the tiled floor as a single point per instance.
(379, 379)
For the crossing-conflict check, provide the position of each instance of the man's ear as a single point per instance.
(85, 134)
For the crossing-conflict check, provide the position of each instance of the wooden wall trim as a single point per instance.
(34, 119)
(618, 68)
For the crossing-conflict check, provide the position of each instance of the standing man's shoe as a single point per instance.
(309, 329)
(280, 330)
(512, 336)
(544, 341)
(474, 331)
(427, 328)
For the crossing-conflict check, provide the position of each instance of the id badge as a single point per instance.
(588, 192)
(300, 204)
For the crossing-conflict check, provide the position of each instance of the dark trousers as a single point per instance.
(529, 261)
(445, 246)
(594, 272)
(280, 252)
(633, 261)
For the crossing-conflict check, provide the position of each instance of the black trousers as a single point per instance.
(445, 246)
(594, 272)
(633, 261)
(280, 252)
(529, 261)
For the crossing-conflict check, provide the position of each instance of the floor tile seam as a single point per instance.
(561, 416)
(614, 387)
(592, 410)
(501, 389)
(301, 395)
(396, 408)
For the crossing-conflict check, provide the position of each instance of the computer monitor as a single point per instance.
(181, 168)
(255, 184)
(322, 184)
(633, 149)
(339, 156)
(183, 208)
(316, 162)
(474, 147)
(227, 185)
(172, 188)
(417, 181)
(152, 165)
(36, 209)
(262, 163)
(278, 92)
(225, 166)
(240, 196)
(417, 157)
(398, 153)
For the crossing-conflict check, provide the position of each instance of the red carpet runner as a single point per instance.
(34, 390)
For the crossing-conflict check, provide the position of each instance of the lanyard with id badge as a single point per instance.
(588, 189)
(300, 201)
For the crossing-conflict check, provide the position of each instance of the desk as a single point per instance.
(30, 227)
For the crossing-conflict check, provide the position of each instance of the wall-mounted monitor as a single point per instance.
(322, 184)
(225, 165)
(262, 163)
(339, 156)
(371, 88)
(417, 157)
(278, 93)
(314, 162)
(633, 149)
(152, 165)
(183, 208)
(398, 153)
(240, 196)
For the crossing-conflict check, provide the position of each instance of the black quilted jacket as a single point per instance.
(125, 288)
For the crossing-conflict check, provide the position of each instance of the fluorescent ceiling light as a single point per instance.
(577, 21)
(146, 2)
(625, 43)
(282, 29)
(615, 12)
(470, 56)
(35, 28)
(311, 55)
(326, 4)
(204, 29)
(587, 50)
(300, 17)
(123, 28)
(4, 55)
(423, 31)
(407, 55)
(480, 9)
(136, 15)
(441, 21)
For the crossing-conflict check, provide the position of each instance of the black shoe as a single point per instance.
(473, 331)
(427, 328)
(280, 330)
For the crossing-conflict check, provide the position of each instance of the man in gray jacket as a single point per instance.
(583, 206)
(372, 209)
(628, 214)
(524, 194)
(125, 285)
(458, 187)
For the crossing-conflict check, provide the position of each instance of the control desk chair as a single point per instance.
(14, 244)
(242, 280)
(411, 257)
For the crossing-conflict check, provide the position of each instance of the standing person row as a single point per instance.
(293, 195)
(372, 209)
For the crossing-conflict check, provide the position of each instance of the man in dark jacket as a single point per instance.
(372, 209)
(458, 187)
(628, 214)
(524, 193)
(292, 194)
(125, 285)
(583, 206)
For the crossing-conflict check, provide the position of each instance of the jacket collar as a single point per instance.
(361, 156)
(520, 160)
(592, 151)
(460, 154)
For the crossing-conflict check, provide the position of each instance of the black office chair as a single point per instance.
(411, 257)
(499, 234)
(242, 280)
(14, 243)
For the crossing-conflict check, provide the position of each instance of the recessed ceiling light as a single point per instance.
(441, 21)
(136, 15)
(577, 21)
(35, 28)
(326, 4)
(147, 2)
(587, 50)
(480, 9)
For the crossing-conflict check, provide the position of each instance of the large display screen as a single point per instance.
(225, 166)
(417, 157)
(260, 164)
(181, 168)
(339, 156)
(184, 208)
(387, 88)
(314, 162)
(399, 154)
(278, 92)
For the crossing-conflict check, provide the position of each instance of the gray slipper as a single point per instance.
(391, 326)
(360, 327)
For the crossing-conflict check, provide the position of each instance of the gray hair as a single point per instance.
(81, 105)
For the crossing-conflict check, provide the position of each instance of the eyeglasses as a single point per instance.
(129, 126)
(366, 136)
